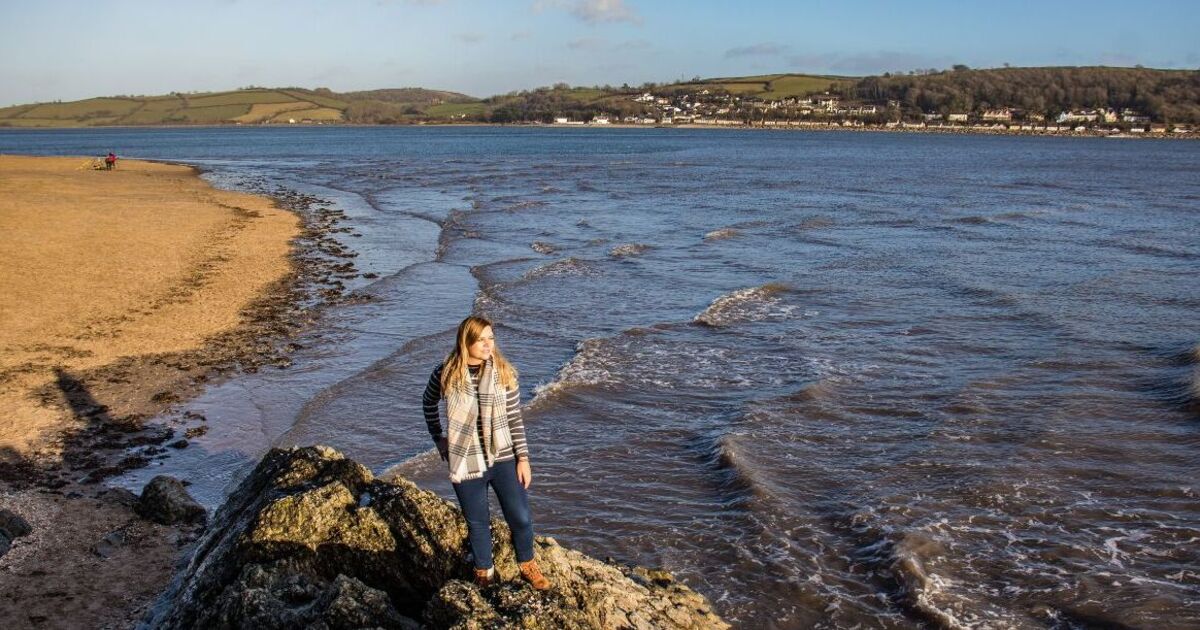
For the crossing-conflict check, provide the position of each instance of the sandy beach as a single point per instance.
(120, 292)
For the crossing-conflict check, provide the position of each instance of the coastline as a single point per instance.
(129, 291)
(822, 128)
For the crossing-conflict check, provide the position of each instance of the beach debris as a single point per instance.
(297, 545)
(166, 501)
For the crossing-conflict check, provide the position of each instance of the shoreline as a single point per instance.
(215, 282)
(822, 128)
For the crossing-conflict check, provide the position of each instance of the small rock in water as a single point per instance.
(166, 501)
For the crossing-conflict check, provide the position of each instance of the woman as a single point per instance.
(484, 444)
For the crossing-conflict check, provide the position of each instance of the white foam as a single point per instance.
(629, 249)
(563, 267)
(747, 305)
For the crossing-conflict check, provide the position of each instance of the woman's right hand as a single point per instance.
(443, 447)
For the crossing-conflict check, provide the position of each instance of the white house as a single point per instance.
(1081, 115)
(863, 110)
(1133, 116)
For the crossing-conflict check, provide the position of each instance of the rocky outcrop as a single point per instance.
(311, 539)
(165, 500)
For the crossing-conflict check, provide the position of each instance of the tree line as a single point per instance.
(1164, 95)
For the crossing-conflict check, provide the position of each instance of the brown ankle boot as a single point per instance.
(533, 575)
(484, 577)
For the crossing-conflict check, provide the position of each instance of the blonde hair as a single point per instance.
(454, 370)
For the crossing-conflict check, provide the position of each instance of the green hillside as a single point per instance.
(771, 86)
(245, 106)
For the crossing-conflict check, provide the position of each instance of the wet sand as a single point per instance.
(121, 293)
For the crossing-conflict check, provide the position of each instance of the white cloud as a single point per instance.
(593, 11)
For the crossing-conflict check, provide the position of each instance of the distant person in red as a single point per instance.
(110, 161)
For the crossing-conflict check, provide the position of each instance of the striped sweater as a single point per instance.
(516, 425)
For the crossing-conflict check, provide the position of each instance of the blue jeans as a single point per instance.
(514, 502)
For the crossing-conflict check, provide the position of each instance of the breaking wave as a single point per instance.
(822, 389)
(747, 305)
(523, 205)
(741, 476)
(648, 359)
(564, 267)
(721, 234)
(922, 581)
(1181, 386)
(926, 592)
(586, 367)
(630, 249)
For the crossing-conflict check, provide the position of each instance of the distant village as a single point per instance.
(831, 111)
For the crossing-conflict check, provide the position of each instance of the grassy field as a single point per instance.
(266, 111)
(164, 104)
(211, 115)
(240, 106)
(450, 110)
(239, 98)
(39, 122)
(323, 101)
(324, 114)
(90, 108)
(771, 86)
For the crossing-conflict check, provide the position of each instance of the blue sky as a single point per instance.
(72, 49)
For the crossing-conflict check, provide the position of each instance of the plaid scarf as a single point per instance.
(464, 405)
